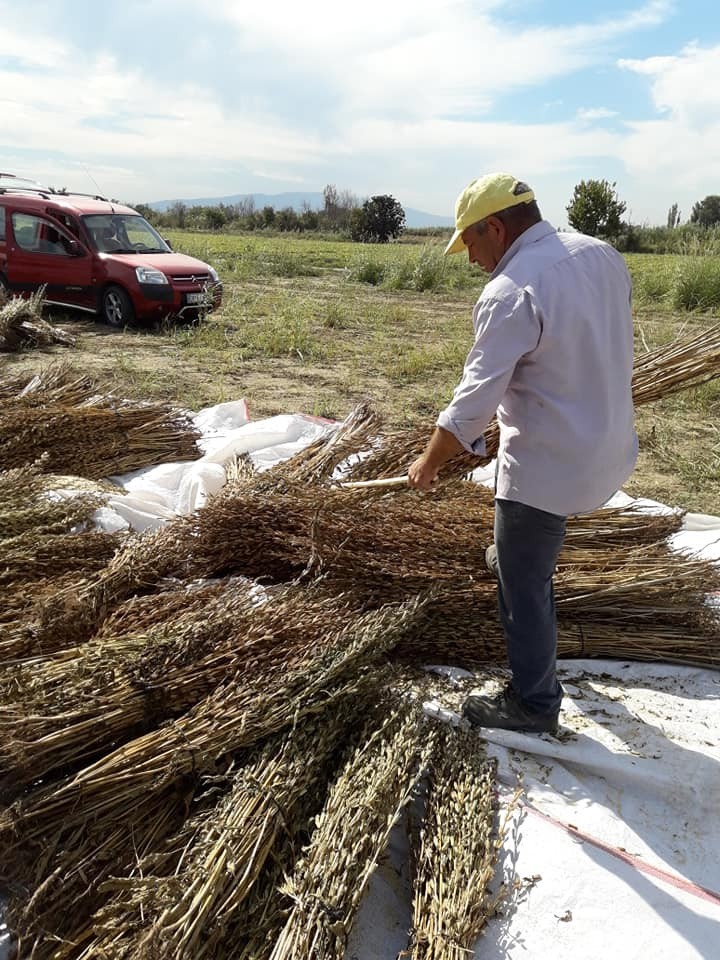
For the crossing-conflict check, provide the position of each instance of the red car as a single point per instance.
(96, 255)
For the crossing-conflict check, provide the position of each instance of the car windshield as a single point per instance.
(123, 233)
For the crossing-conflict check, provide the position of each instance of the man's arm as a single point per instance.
(443, 446)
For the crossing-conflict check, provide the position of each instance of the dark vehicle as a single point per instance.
(93, 254)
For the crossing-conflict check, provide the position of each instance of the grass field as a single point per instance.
(316, 325)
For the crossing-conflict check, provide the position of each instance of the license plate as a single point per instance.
(195, 297)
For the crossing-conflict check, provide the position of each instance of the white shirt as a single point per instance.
(553, 357)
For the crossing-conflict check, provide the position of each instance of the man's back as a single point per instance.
(566, 418)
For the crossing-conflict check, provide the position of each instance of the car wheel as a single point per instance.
(116, 307)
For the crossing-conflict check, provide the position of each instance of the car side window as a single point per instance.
(67, 221)
(36, 235)
(2, 223)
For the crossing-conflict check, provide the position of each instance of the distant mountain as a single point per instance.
(280, 201)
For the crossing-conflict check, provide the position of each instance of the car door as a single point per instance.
(41, 253)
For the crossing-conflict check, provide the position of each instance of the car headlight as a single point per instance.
(150, 275)
(213, 275)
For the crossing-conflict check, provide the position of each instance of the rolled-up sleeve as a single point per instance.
(506, 330)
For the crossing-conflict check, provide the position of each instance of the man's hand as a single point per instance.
(421, 475)
(443, 446)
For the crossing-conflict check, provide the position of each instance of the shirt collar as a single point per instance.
(534, 233)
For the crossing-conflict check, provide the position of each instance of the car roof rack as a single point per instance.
(25, 185)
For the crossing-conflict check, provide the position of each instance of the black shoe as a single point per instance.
(491, 560)
(506, 711)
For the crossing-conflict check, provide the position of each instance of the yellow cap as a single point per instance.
(486, 195)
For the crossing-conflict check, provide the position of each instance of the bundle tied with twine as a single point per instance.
(22, 325)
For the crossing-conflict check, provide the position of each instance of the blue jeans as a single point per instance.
(528, 542)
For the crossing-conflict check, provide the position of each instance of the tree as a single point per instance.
(330, 205)
(706, 212)
(177, 214)
(215, 217)
(595, 209)
(673, 217)
(286, 219)
(380, 219)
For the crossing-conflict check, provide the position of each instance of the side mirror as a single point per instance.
(75, 249)
(167, 242)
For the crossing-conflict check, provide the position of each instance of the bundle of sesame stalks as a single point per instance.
(57, 712)
(383, 548)
(46, 542)
(78, 432)
(95, 439)
(457, 850)
(183, 900)
(85, 828)
(57, 382)
(351, 833)
(22, 325)
(35, 502)
(677, 366)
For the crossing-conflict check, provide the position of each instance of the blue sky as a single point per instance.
(157, 99)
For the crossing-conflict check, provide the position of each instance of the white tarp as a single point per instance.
(635, 773)
(153, 496)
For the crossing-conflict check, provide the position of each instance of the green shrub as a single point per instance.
(697, 284)
(652, 284)
(368, 270)
(429, 270)
(399, 273)
(335, 316)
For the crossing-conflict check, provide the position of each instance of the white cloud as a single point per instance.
(30, 49)
(687, 86)
(677, 156)
(449, 58)
(282, 176)
(595, 113)
(410, 88)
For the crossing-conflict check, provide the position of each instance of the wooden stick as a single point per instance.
(381, 482)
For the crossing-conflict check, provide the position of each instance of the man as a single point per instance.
(552, 358)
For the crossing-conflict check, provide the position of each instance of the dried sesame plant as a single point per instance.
(183, 900)
(61, 711)
(62, 840)
(456, 850)
(84, 434)
(22, 325)
(47, 541)
(352, 831)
